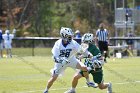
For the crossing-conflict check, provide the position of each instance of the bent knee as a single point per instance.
(52, 79)
(100, 87)
(78, 76)
(84, 68)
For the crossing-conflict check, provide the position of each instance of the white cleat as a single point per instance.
(46, 91)
(109, 88)
(70, 91)
(91, 84)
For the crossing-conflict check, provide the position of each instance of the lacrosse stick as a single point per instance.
(84, 47)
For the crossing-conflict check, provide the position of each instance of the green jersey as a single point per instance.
(97, 73)
(94, 50)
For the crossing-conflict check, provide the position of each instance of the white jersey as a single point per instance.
(69, 51)
(7, 38)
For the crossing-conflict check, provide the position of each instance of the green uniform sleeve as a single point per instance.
(94, 50)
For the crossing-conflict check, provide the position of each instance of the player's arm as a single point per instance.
(56, 55)
(98, 55)
(85, 54)
(56, 52)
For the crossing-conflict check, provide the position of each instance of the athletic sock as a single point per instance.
(46, 89)
(87, 79)
(73, 89)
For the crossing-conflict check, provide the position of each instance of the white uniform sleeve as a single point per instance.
(87, 54)
(12, 36)
(55, 50)
(77, 47)
(3, 36)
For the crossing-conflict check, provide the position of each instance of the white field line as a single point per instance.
(119, 83)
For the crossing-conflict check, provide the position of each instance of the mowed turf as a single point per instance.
(30, 74)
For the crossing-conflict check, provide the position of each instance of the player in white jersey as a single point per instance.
(64, 52)
(7, 37)
(1, 44)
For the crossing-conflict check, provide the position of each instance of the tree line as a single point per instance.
(45, 17)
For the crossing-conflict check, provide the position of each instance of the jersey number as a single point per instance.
(65, 53)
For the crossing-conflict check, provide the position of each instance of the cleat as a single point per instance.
(70, 91)
(46, 91)
(109, 88)
(91, 84)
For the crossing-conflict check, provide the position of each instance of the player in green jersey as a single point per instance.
(94, 63)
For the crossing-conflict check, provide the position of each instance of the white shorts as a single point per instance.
(1, 46)
(7, 45)
(59, 68)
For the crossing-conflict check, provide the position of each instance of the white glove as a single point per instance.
(63, 61)
(89, 68)
(94, 58)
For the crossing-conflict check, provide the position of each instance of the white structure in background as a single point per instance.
(125, 17)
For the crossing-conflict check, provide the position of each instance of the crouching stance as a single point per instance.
(94, 65)
(64, 52)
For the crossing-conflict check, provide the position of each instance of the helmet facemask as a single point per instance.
(66, 34)
(87, 38)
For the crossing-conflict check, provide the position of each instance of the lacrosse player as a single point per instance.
(94, 64)
(7, 37)
(64, 51)
(1, 44)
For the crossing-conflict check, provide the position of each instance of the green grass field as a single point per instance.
(29, 75)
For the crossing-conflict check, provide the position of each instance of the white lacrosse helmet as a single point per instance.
(66, 34)
(87, 38)
(7, 32)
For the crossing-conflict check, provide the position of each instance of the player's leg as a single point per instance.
(76, 64)
(85, 74)
(50, 82)
(106, 85)
(6, 45)
(106, 51)
(9, 46)
(56, 71)
(0, 53)
(103, 85)
(76, 77)
(10, 53)
(7, 52)
(1, 48)
(98, 78)
(100, 45)
(83, 68)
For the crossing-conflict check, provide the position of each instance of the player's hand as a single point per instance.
(97, 64)
(93, 58)
(63, 61)
(101, 58)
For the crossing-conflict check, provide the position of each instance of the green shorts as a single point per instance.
(97, 75)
